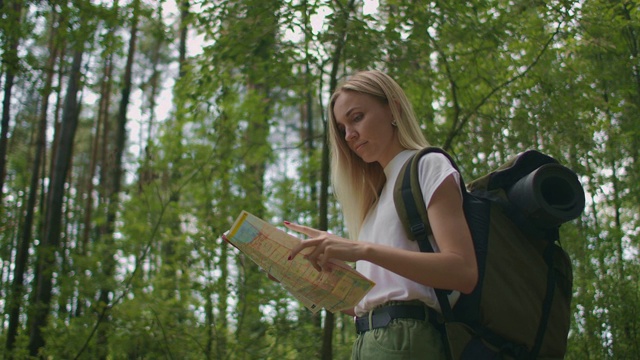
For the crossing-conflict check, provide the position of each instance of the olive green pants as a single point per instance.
(401, 339)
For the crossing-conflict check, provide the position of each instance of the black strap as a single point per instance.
(548, 299)
(381, 317)
(420, 231)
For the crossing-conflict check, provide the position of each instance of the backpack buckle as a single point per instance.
(418, 230)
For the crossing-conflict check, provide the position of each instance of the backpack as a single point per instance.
(520, 307)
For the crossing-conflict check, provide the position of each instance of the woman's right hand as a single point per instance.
(325, 246)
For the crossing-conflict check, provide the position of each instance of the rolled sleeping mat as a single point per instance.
(549, 196)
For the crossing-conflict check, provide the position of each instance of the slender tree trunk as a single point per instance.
(308, 110)
(223, 127)
(153, 81)
(341, 38)
(208, 315)
(184, 30)
(46, 170)
(101, 118)
(116, 181)
(10, 58)
(22, 255)
(47, 251)
(256, 141)
(64, 292)
(631, 36)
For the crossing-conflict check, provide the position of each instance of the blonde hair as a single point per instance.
(357, 184)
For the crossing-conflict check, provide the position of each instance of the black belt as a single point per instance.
(382, 316)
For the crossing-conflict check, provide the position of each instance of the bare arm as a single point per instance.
(350, 312)
(454, 267)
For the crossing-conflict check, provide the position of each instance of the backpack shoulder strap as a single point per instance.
(413, 212)
(409, 201)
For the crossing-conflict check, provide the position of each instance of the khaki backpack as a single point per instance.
(520, 308)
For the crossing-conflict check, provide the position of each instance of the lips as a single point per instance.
(359, 146)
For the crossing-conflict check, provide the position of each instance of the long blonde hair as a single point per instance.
(356, 183)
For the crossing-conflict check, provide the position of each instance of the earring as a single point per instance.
(394, 123)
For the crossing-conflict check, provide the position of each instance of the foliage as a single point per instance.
(237, 123)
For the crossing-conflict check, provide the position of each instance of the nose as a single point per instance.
(349, 133)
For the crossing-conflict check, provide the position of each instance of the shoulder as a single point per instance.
(435, 163)
(433, 169)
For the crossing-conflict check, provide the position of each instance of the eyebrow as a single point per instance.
(352, 109)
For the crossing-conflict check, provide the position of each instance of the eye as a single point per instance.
(357, 117)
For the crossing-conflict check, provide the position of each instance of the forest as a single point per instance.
(134, 132)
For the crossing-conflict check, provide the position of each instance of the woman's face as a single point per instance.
(365, 123)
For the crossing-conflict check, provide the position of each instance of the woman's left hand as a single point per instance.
(325, 246)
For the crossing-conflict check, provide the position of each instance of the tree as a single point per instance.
(341, 25)
(22, 252)
(115, 182)
(47, 250)
(10, 60)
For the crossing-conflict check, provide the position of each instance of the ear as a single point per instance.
(396, 103)
(398, 106)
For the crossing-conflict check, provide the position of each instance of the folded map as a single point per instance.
(338, 288)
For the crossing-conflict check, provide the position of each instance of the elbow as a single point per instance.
(469, 275)
(469, 281)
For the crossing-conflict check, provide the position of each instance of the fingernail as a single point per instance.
(287, 223)
(289, 258)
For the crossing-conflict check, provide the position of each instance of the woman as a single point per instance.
(373, 131)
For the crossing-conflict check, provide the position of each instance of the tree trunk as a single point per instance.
(258, 105)
(184, 29)
(223, 126)
(101, 118)
(341, 29)
(10, 59)
(47, 251)
(308, 110)
(22, 254)
(108, 259)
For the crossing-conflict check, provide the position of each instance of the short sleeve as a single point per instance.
(433, 169)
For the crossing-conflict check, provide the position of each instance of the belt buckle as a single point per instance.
(380, 320)
(385, 319)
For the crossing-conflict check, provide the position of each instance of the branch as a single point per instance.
(458, 126)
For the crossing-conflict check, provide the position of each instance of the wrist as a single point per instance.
(367, 251)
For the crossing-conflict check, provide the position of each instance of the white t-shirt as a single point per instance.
(382, 226)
